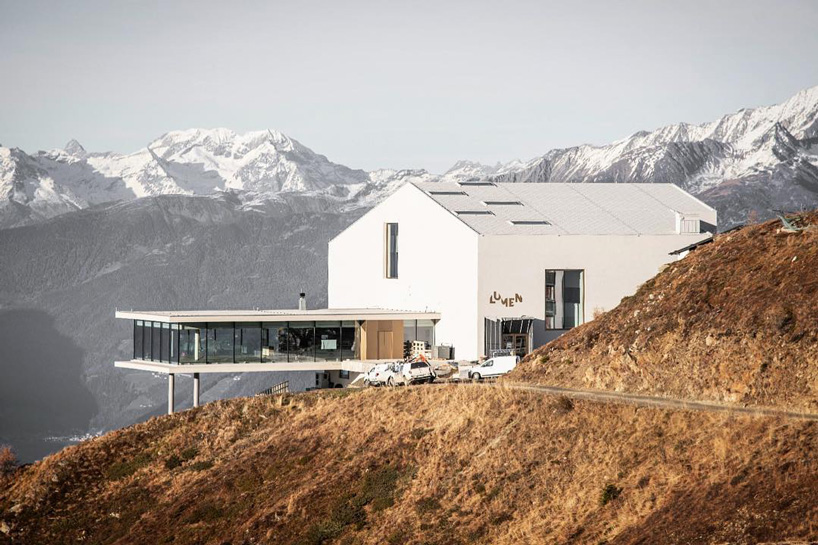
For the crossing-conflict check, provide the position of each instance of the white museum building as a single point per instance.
(511, 265)
(457, 270)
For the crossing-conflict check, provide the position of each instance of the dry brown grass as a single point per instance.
(447, 464)
(8, 461)
(735, 321)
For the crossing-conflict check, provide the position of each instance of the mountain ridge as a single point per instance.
(752, 161)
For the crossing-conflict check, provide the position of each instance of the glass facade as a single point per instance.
(220, 343)
(564, 299)
(572, 299)
(192, 343)
(418, 330)
(138, 326)
(274, 342)
(426, 332)
(349, 341)
(258, 342)
(301, 341)
(247, 342)
(328, 341)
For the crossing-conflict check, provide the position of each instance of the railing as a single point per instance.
(282, 388)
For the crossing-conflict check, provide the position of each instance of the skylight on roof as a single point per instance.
(529, 222)
(474, 212)
(502, 203)
(475, 183)
(448, 193)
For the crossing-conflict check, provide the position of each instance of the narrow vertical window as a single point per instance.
(572, 299)
(564, 299)
(137, 340)
(391, 250)
(550, 299)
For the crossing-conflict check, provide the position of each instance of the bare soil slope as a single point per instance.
(735, 321)
(448, 464)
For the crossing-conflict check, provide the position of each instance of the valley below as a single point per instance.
(64, 278)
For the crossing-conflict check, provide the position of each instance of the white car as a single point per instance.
(411, 373)
(494, 367)
(379, 375)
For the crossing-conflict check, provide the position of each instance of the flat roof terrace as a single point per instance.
(291, 315)
(245, 341)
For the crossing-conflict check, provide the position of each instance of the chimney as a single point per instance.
(302, 301)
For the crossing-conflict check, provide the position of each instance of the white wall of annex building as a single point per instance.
(614, 267)
(437, 266)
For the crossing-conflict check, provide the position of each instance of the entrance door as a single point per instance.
(385, 345)
(517, 343)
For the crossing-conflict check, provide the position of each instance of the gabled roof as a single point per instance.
(566, 208)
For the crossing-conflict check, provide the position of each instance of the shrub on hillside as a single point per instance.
(120, 470)
(609, 493)
(173, 462)
(189, 453)
(563, 404)
(202, 465)
(8, 461)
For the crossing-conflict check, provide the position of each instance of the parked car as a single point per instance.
(494, 367)
(412, 372)
(379, 375)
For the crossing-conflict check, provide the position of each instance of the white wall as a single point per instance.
(614, 267)
(437, 264)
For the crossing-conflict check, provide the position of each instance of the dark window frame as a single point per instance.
(391, 253)
(562, 295)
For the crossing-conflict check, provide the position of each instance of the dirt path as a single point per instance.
(653, 401)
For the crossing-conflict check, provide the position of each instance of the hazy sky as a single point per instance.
(393, 84)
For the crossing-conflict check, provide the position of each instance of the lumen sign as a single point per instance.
(496, 298)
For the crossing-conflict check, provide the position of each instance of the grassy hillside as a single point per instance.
(734, 321)
(448, 464)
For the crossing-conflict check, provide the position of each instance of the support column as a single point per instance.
(171, 381)
(195, 389)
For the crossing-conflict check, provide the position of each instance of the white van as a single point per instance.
(494, 367)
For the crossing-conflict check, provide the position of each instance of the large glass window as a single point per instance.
(192, 340)
(301, 341)
(174, 343)
(328, 341)
(273, 342)
(572, 299)
(418, 335)
(164, 342)
(410, 334)
(248, 342)
(410, 330)
(564, 299)
(156, 341)
(550, 299)
(220, 343)
(426, 332)
(137, 339)
(391, 250)
(349, 345)
(147, 345)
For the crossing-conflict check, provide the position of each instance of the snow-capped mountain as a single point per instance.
(262, 164)
(758, 159)
(755, 159)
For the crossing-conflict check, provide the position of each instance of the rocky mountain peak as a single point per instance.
(74, 148)
(742, 161)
